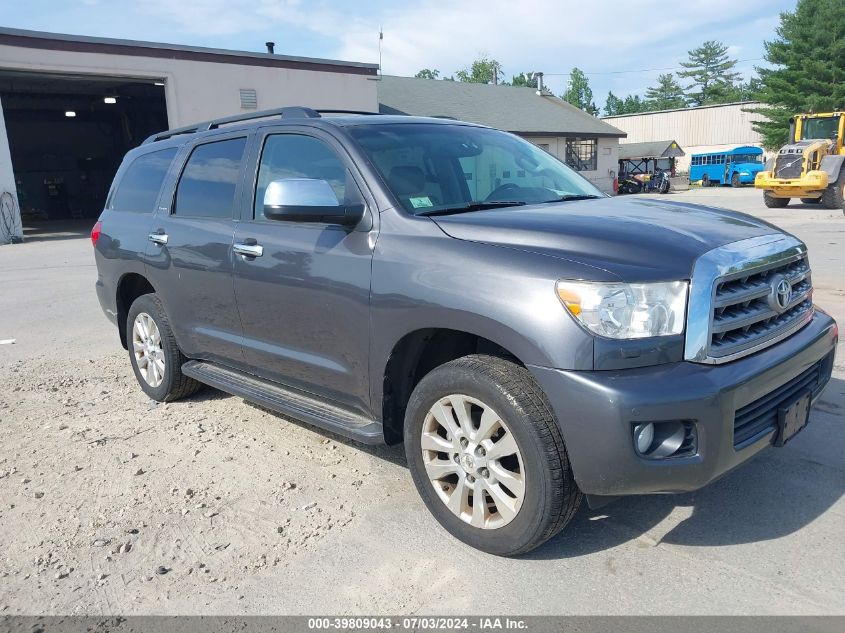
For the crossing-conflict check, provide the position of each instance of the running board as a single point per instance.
(286, 401)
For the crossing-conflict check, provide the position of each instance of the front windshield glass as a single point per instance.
(747, 158)
(437, 167)
(826, 128)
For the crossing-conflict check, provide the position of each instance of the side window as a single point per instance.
(297, 156)
(138, 190)
(208, 182)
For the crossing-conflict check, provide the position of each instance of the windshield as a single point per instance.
(436, 167)
(747, 158)
(826, 128)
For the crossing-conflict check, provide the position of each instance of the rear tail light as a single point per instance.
(95, 232)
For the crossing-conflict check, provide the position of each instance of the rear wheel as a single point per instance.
(735, 181)
(774, 203)
(153, 352)
(487, 456)
(705, 180)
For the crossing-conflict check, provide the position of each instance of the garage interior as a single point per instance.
(67, 136)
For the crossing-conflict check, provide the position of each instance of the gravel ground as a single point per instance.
(113, 504)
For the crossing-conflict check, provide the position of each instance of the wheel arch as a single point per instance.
(415, 355)
(129, 287)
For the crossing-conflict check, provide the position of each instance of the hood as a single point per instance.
(633, 239)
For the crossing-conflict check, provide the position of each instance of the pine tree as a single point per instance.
(711, 71)
(666, 95)
(612, 105)
(579, 93)
(809, 73)
(633, 104)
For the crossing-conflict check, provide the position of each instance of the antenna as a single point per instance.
(380, 38)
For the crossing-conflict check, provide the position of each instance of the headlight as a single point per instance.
(618, 310)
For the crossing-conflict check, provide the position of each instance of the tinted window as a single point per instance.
(296, 156)
(139, 187)
(208, 183)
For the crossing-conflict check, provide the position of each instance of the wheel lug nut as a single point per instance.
(457, 457)
(485, 473)
(471, 479)
(480, 451)
(464, 442)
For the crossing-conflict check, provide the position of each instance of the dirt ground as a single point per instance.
(113, 504)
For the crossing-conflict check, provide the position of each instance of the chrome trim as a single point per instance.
(158, 238)
(733, 260)
(248, 250)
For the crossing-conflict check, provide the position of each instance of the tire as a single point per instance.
(161, 385)
(811, 200)
(705, 181)
(774, 203)
(505, 525)
(834, 197)
(735, 181)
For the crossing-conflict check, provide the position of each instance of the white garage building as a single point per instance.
(72, 106)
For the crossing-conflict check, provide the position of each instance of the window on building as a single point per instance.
(209, 180)
(582, 154)
(139, 187)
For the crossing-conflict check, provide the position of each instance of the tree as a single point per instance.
(633, 104)
(427, 73)
(578, 93)
(711, 71)
(481, 71)
(666, 95)
(527, 80)
(613, 105)
(808, 56)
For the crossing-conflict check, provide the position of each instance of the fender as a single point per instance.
(832, 166)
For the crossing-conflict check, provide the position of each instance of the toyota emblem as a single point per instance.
(781, 294)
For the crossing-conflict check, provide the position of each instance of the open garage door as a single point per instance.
(68, 134)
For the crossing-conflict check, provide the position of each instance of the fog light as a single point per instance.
(643, 436)
(670, 438)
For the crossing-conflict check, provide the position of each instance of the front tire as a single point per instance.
(834, 196)
(153, 352)
(735, 182)
(487, 456)
(774, 203)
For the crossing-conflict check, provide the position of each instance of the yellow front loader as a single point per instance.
(810, 167)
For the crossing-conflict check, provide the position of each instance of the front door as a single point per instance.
(190, 252)
(304, 301)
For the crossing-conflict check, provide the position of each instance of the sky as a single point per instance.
(621, 46)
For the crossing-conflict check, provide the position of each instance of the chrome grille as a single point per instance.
(789, 165)
(745, 317)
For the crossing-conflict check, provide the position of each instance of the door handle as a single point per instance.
(158, 238)
(248, 250)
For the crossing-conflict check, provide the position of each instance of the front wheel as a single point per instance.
(155, 357)
(487, 456)
(735, 182)
(774, 203)
(834, 196)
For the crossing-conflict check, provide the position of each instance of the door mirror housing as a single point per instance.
(308, 200)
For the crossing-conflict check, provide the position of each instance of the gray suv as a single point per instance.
(398, 279)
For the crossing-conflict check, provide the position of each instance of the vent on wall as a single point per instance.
(249, 99)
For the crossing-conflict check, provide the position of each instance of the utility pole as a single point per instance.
(380, 38)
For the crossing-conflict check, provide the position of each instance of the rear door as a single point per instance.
(305, 301)
(190, 249)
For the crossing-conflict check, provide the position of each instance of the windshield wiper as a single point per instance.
(573, 196)
(474, 206)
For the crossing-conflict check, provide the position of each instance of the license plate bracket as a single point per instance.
(792, 417)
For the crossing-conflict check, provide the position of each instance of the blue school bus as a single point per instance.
(734, 167)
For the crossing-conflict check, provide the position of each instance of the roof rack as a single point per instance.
(291, 112)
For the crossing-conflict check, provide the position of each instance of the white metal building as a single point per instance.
(697, 130)
(74, 105)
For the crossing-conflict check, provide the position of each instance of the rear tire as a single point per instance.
(705, 181)
(155, 357)
(774, 203)
(508, 441)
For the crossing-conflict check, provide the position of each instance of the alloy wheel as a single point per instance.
(146, 347)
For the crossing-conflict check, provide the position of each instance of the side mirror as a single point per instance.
(308, 200)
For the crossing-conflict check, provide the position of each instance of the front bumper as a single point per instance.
(809, 185)
(597, 410)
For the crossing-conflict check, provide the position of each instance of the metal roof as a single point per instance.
(515, 109)
(650, 149)
(747, 104)
(137, 48)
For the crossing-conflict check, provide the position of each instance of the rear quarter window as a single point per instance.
(139, 187)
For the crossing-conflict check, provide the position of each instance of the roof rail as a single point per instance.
(292, 112)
